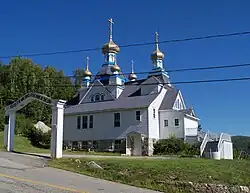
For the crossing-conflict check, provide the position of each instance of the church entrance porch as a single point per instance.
(134, 144)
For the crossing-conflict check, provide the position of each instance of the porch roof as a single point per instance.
(134, 129)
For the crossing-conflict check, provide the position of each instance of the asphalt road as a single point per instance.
(29, 174)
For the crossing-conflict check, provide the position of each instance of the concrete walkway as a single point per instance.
(30, 174)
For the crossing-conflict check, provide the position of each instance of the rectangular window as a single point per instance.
(165, 123)
(91, 121)
(153, 113)
(138, 115)
(176, 122)
(78, 122)
(117, 119)
(84, 122)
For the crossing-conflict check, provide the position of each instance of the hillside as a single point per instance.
(241, 142)
(22, 144)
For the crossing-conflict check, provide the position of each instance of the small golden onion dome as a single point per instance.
(87, 73)
(110, 47)
(157, 54)
(115, 68)
(132, 76)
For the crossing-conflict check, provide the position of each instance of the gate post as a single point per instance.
(9, 130)
(57, 128)
(6, 125)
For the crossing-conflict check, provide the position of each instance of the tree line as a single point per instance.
(22, 75)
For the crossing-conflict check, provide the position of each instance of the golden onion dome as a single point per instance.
(157, 54)
(115, 68)
(110, 47)
(132, 76)
(87, 73)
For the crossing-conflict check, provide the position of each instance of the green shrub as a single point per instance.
(175, 146)
(242, 154)
(2, 114)
(38, 138)
(23, 125)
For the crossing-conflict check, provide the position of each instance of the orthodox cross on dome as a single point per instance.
(157, 40)
(110, 28)
(87, 63)
(132, 66)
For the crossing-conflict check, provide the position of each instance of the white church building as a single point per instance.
(112, 112)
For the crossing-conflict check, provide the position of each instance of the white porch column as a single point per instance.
(9, 131)
(57, 128)
(128, 146)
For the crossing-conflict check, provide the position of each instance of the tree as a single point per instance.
(78, 76)
(248, 147)
(199, 127)
(22, 76)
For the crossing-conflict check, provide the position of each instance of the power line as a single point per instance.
(200, 68)
(132, 45)
(188, 69)
(173, 70)
(172, 83)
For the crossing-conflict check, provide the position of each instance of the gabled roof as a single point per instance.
(120, 103)
(74, 101)
(188, 111)
(130, 98)
(97, 83)
(163, 79)
(169, 99)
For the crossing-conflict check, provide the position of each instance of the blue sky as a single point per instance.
(29, 26)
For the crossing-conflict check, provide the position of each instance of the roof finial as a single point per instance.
(110, 28)
(87, 63)
(132, 66)
(156, 40)
(132, 76)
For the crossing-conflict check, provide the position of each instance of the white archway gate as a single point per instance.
(57, 121)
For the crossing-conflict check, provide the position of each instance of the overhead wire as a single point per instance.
(156, 84)
(161, 42)
(130, 45)
(162, 83)
(168, 71)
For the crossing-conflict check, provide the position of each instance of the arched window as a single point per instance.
(97, 97)
(102, 97)
(92, 99)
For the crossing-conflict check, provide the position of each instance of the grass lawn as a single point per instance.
(151, 173)
(22, 144)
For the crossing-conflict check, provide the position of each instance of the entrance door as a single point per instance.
(134, 144)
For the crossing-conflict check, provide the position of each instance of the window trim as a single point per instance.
(165, 123)
(175, 122)
(97, 95)
(136, 116)
(115, 119)
(87, 121)
(102, 97)
(78, 122)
